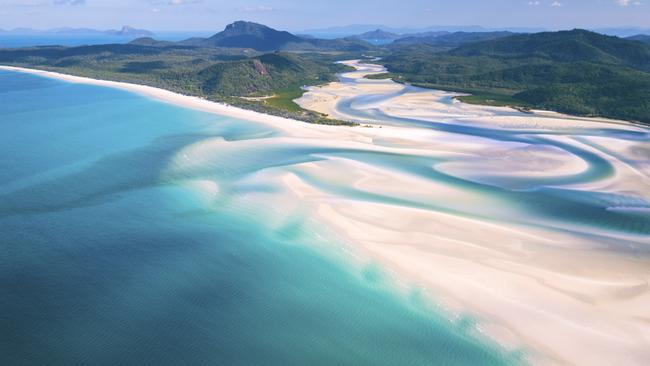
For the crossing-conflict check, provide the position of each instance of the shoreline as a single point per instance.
(517, 291)
(377, 69)
(167, 96)
(540, 283)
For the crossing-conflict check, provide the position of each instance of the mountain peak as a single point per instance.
(243, 24)
(128, 30)
(244, 34)
(379, 34)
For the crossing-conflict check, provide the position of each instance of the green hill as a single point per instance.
(259, 37)
(640, 37)
(262, 75)
(448, 40)
(220, 74)
(565, 46)
(577, 72)
(251, 35)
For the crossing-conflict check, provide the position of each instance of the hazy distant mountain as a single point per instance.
(379, 34)
(449, 40)
(641, 38)
(377, 37)
(126, 31)
(259, 37)
(23, 31)
(346, 31)
(68, 30)
(623, 31)
(355, 29)
(425, 34)
(242, 34)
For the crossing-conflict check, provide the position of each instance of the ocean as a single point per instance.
(118, 248)
(15, 40)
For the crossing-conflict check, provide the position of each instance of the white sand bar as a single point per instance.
(571, 291)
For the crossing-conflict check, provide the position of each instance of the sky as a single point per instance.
(296, 15)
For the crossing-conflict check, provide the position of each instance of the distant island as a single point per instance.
(576, 72)
(126, 31)
(130, 31)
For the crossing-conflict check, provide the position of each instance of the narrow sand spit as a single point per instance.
(462, 201)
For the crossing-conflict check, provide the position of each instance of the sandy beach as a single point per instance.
(467, 223)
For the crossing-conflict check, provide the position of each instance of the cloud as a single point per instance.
(257, 8)
(533, 3)
(69, 2)
(627, 2)
(557, 4)
(173, 2)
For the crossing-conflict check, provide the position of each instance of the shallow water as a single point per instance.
(15, 40)
(542, 220)
(121, 247)
(549, 201)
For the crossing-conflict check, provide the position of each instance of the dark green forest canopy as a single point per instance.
(244, 60)
(219, 74)
(577, 72)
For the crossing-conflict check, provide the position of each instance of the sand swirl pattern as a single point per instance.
(538, 221)
(536, 225)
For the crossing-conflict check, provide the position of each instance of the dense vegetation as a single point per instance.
(247, 35)
(448, 40)
(257, 67)
(259, 37)
(577, 72)
(641, 38)
(219, 74)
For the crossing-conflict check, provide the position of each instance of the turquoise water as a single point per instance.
(110, 258)
(549, 201)
(13, 40)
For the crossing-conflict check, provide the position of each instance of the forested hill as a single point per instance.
(640, 37)
(231, 75)
(448, 40)
(251, 35)
(259, 37)
(565, 46)
(577, 72)
(240, 65)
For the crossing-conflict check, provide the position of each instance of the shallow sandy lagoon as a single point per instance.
(538, 222)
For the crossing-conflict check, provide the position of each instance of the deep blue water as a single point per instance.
(9, 40)
(107, 259)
